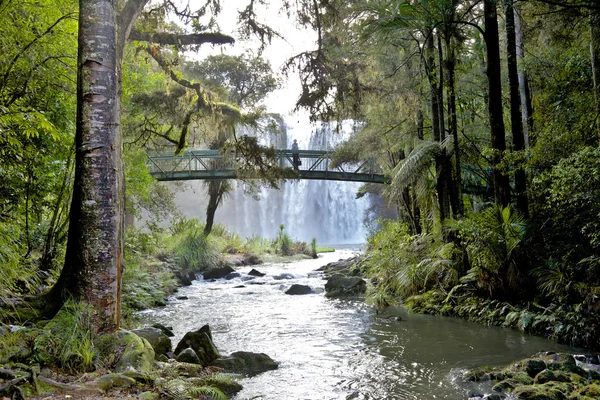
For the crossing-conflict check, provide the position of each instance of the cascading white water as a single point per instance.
(325, 210)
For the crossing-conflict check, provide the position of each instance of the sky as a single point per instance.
(296, 41)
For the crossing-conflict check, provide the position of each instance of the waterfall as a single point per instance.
(325, 210)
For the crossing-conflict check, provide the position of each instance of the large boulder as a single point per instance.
(201, 342)
(167, 330)
(157, 339)
(188, 356)
(183, 277)
(344, 267)
(340, 285)
(217, 272)
(138, 354)
(296, 289)
(246, 363)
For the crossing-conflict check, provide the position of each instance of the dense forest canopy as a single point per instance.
(485, 116)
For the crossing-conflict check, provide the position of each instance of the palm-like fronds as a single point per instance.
(416, 165)
(493, 239)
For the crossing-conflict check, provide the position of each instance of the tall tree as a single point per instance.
(499, 175)
(518, 137)
(94, 258)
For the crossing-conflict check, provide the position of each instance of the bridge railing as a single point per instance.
(211, 164)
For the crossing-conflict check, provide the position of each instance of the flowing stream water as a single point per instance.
(339, 349)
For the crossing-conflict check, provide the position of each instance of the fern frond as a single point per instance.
(413, 167)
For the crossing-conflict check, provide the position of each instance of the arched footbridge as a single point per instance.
(212, 164)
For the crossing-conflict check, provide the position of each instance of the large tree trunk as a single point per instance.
(499, 177)
(518, 138)
(595, 58)
(92, 271)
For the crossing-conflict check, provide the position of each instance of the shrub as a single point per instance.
(67, 341)
(493, 241)
(403, 265)
(283, 243)
(196, 251)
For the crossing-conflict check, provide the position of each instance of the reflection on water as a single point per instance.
(339, 349)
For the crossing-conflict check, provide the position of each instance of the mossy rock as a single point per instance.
(507, 385)
(138, 354)
(148, 396)
(545, 376)
(112, 381)
(201, 342)
(157, 339)
(589, 392)
(224, 382)
(181, 369)
(246, 363)
(340, 285)
(140, 377)
(519, 377)
(562, 362)
(188, 356)
(477, 375)
(546, 391)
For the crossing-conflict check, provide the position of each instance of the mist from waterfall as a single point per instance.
(325, 210)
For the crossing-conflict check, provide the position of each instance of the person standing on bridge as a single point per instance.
(295, 156)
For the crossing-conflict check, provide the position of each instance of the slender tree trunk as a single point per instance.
(436, 124)
(216, 191)
(455, 190)
(526, 107)
(93, 261)
(518, 138)
(595, 58)
(499, 177)
(53, 233)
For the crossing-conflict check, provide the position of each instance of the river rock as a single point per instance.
(254, 272)
(344, 267)
(296, 289)
(111, 381)
(340, 285)
(183, 278)
(157, 339)
(167, 330)
(188, 356)
(232, 275)
(138, 354)
(246, 363)
(217, 272)
(201, 342)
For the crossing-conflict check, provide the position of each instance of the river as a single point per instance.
(339, 349)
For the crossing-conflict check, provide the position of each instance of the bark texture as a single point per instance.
(499, 177)
(518, 137)
(93, 264)
(595, 57)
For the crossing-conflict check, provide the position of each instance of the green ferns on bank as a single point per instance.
(485, 274)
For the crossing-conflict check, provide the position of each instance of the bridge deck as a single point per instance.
(211, 164)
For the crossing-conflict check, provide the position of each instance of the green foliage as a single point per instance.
(257, 245)
(313, 248)
(67, 341)
(404, 265)
(10, 259)
(145, 283)
(493, 240)
(196, 251)
(283, 243)
(569, 197)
